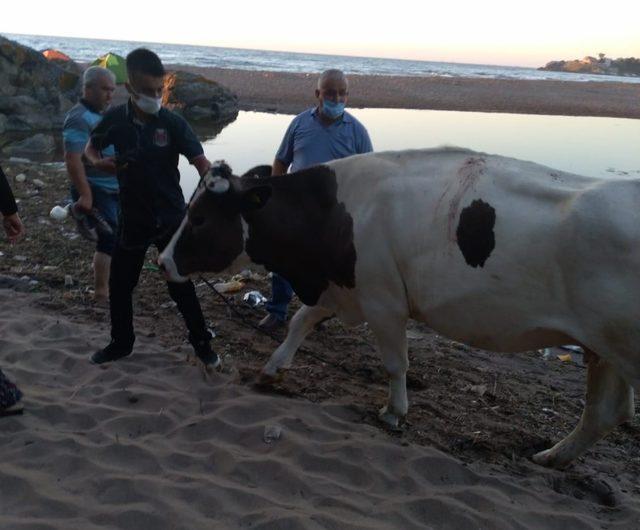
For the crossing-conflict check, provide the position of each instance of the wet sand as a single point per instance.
(288, 92)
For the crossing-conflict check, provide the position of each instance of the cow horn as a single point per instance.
(218, 185)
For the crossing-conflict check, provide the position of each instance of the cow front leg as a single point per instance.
(301, 324)
(391, 335)
(609, 403)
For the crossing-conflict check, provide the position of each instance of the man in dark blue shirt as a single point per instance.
(148, 141)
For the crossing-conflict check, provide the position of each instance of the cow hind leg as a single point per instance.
(609, 403)
(391, 335)
(301, 324)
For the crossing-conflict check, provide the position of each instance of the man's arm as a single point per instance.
(364, 141)
(108, 164)
(75, 169)
(201, 163)
(11, 220)
(100, 138)
(284, 156)
(279, 168)
(7, 201)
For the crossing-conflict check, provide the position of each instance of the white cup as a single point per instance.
(59, 213)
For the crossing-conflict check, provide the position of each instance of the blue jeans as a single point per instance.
(281, 294)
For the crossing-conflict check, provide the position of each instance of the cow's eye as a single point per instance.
(198, 220)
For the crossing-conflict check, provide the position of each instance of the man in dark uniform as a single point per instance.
(10, 394)
(148, 140)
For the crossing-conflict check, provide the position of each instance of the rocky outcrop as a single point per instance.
(35, 94)
(68, 66)
(39, 145)
(599, 66)
(199, 98)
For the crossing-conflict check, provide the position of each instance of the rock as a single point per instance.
(69, 66)
(9, 282)
(34, 93)
(38, 183)
(197, 97)
(68, 280)
(480, 390)
(39, 144)
(21, 177)
(271, 433)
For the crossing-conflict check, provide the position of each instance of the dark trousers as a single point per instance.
(281, 294)
(126, 264)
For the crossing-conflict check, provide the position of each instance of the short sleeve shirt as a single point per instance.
(78, 124)
(147, 160)
(309, 142)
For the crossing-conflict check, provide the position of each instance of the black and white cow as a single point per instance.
(494, 252)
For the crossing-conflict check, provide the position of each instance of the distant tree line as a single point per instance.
(628, 66)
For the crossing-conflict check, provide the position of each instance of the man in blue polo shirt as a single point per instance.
(320, 134)
(93, 187)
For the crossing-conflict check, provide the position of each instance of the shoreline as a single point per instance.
(291, 93)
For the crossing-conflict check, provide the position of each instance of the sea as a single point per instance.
(86, 50)
(599, 147)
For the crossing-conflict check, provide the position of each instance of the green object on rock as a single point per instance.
(115, 63)
(151, 267)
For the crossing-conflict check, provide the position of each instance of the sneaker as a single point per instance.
(204, 352)
(271, 323)
(13, 410)
(112, 352)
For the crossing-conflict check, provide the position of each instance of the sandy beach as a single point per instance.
(151, 442)
(291, 93)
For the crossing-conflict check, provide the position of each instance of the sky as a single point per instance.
(468, 31)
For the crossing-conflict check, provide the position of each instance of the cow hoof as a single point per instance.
(549, 458)
(265, 379)
(389, 418)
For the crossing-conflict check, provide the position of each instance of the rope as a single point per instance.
(307, 351)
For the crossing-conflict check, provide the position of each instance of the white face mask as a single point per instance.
(147, 104)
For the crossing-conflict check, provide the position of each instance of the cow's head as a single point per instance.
(211, 235)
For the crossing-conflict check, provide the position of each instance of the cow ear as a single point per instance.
(255, 198)
(258, 172)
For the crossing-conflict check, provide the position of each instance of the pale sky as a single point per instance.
(489, 31)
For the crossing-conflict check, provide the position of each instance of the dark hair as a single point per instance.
(143, 61)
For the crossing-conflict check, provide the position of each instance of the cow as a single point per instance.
(493, 252)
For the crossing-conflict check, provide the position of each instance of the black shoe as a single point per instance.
(204, 352)
(271, 323)
(13, 410)
(112, 352)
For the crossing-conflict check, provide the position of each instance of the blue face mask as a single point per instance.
(332, 110)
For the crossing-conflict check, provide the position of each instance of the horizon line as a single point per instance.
(274, 51)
